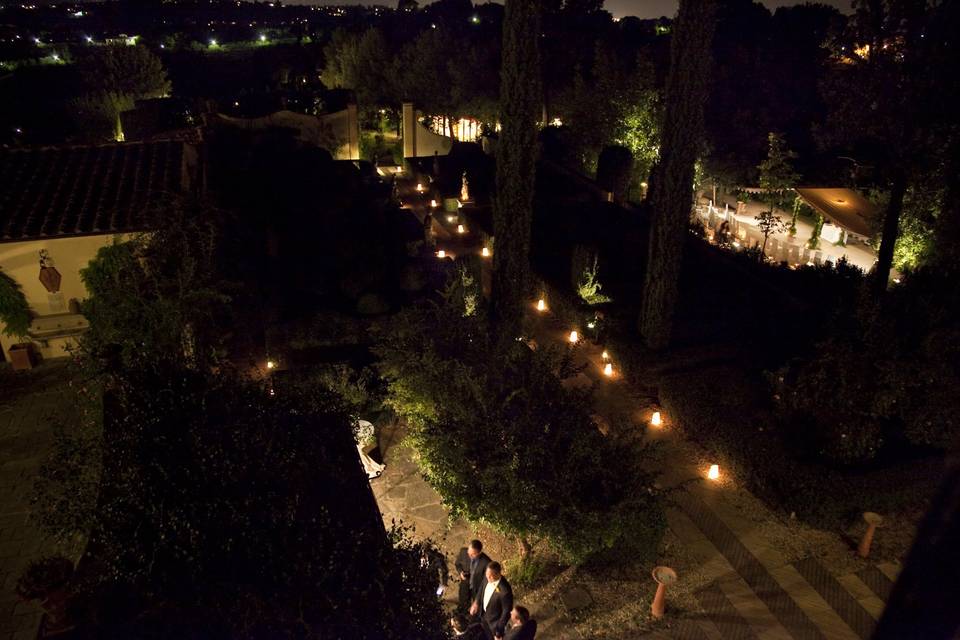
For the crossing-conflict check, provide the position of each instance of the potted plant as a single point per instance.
(15, 316)
(47, 580)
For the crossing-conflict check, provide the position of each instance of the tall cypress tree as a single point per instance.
(521, 99)
(672, 181)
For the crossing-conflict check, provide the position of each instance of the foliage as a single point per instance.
(516, 157)
(157, 297)
(891, 374)
(672, 182)
(768, 223)
(734, 421)
(114, 77)
(43, 576)
(504, 442)
(359, 63)
(814, 241)
(250, 507)
(129, 71)
(14, 309)
(588, 286)
(776, 172)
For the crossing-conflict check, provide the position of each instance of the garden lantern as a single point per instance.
(656, 420)
(485, 252)
(574, 336)
(541, 305)
(441, 254)
(714, 473)
(461, 229)
(608, 370)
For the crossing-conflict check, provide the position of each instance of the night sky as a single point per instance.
(619, 8)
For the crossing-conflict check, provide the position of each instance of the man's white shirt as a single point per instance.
(488, 592)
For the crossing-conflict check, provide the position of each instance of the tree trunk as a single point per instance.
(891, 230)
(520, 101)
(946, 248)
(524, 547)
(671, 189)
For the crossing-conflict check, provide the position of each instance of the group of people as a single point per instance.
(486, 609)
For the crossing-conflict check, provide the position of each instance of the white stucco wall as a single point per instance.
(21, 261)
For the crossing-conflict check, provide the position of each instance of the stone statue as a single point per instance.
(464, 188)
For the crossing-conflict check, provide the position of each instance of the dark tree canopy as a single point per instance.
(521, 101)
(671, 191)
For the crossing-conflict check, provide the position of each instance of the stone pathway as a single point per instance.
(751, 588)
(28, 404)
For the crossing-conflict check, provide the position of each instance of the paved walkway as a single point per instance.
(750, 586)
(28, 404)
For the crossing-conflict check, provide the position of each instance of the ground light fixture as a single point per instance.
(271, 364)
(419, 187)
(541, 305)
(656, 420)
(461, 229)
(605, 355)
(441, 254)
(573, 337)
(608, 370)
(433, 204)
(714, 472)
(485, 252)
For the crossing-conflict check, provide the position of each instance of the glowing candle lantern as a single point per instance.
(541, 305)
(433, 204)
(574, 336)
(714, 473)
(485, 252)
(419, 187)
(656, 420)
(271, 364)
(605, 355)
(441, 254)
(608, 370)
(461, 229)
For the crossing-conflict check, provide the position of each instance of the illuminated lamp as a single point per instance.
(574, 337)
(541, 305)
(485, 252)
(441, 254)
(461, 229)
(608, 370)
(714, 472)
(605, 355)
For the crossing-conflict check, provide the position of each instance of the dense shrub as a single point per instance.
(888, 375)
(726, 412)
(503, 442)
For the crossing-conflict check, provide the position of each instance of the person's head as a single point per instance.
(494, 571)
(519, 615)
(459, 623)
(475, 548)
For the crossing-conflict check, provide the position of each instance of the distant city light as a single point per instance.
(263, 38)
(36, 40)
(55, 57)
(213, 42)
(475, 19)
(88, 38)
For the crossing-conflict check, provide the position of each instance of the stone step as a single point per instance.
(833, 592)
(877, 580)
(767, 589)
(724, 615)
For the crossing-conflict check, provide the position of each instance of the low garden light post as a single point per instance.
(873, 520)
(662, 576)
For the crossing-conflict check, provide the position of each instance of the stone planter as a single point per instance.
(22, 356)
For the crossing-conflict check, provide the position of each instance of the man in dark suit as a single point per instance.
(462, 565)
(494, 603)
(477, 568)
(522, 627)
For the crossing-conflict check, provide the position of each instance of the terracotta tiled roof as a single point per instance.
(65, 191)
